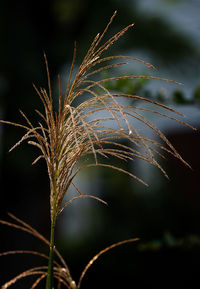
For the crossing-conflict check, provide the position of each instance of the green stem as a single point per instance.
(49, 280)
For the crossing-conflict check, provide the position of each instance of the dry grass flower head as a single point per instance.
(67, 134)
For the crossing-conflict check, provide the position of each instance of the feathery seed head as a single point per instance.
(68, 135)
(72, 132)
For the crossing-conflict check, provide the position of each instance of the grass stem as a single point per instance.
(49, 280)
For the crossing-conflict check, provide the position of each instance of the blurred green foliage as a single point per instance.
(140, 87)
(169, 241)
(125, 85)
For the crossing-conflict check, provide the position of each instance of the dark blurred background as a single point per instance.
(166, 215)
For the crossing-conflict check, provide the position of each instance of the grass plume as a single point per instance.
(66, 135)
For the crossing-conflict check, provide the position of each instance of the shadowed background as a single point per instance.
(165, 215)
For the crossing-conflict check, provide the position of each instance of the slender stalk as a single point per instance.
(49, 280)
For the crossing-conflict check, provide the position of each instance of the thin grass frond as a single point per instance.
(61, 280)
(111, 41)
(59, 265)
(130, 77)
(48, 76)
(79, 197)
(15, 226)
(132, 108)
(38, 280)
(30, 272)
(24, 252)
(120, 170)
(101, 253)
(27, 228)
(14, 124)
(122, 57)
(102, 35)
(37, 159)
(70, 75)
(103, 69)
